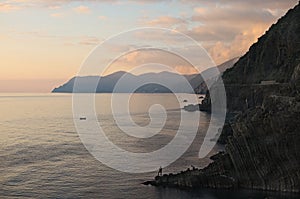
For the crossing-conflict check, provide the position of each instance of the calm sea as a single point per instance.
(41, 155)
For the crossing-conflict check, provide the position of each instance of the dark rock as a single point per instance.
(191, 108)
(152, 183)
(224, 134)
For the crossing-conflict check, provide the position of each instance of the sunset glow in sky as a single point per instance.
(44, 42)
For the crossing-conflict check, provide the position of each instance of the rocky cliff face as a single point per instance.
(265, 144)
(262, 150)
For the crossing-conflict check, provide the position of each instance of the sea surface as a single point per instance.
(42, 156)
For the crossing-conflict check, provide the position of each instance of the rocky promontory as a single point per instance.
(261, 154)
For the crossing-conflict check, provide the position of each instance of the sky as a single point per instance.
(44, 42)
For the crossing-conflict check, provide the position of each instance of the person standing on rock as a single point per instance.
(159, 172)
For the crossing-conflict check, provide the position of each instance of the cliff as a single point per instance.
(262, 147)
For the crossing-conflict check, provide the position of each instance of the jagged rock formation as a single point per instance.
(263, 150)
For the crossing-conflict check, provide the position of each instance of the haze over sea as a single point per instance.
(41, 154)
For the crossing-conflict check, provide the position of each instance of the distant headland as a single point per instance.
(106, 84)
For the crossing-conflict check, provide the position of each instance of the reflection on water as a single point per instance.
(41, 154)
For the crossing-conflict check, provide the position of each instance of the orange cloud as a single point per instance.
(200, 10)
(229, 30)
(93, 41)
(54, 7)
(6, 7)
(56, 15)
(155, 57)
(166, 21)
(102, 17)
(223, 51)
(82, 10)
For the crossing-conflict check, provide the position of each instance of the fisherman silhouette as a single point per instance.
(159, 172)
